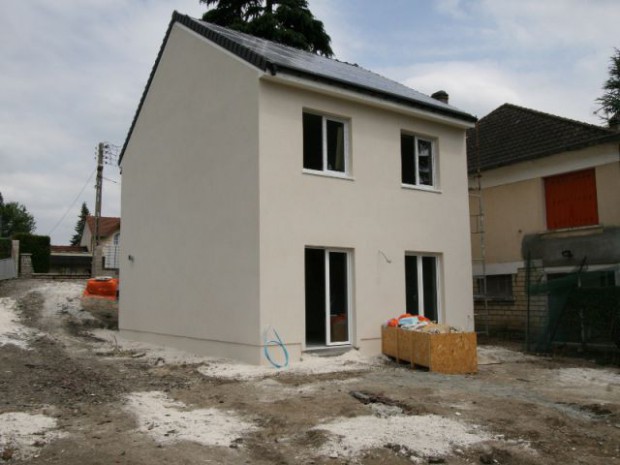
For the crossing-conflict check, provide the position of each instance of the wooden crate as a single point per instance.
(451, 353)
(389, 341)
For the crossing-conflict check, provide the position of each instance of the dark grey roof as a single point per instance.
(511, 134)
(292, 60)
(277, 58)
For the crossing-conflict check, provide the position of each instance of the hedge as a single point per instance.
(39, 247)
(5, 248)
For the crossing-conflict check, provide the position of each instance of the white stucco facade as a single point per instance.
(218, 209)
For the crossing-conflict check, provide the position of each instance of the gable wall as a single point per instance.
(190, 203)
(371, 215)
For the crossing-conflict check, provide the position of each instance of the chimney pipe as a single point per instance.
(442, 96)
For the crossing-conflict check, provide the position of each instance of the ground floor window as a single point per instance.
(497, 287)
(328, 296)
(421, 283)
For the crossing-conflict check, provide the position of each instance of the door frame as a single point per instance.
(349, 262)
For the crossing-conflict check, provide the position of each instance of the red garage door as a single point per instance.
(571, 200)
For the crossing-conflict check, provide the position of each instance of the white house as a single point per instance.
(107, 260)
(267, 187)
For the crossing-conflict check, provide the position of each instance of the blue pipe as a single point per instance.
(278, 343)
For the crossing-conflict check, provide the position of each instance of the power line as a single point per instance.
(111, 180)
(72, 203)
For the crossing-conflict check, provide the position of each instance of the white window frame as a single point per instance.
(420, 276)
(434, 186)
(347, 157)
(328, 330)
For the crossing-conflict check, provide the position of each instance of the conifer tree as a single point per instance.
(79, 227)
(610, 100)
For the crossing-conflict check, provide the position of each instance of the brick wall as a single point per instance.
(508, 317)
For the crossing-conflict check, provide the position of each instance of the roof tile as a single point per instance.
(511, 134)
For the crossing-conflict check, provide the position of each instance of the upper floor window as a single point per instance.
(570, 200)
(418, 161)
(326, 144)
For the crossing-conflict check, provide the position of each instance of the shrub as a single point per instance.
(5, 248)
(39, 247)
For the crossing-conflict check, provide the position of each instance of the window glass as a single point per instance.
(429, 272)
(407, 159)
(417, 161)
(497, 286)
(425, 162)
(325, 144)
(421, 285)
(335, 146)
(313, 141)
(411, 284)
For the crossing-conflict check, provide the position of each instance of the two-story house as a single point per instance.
(547, 189)
(264, 186)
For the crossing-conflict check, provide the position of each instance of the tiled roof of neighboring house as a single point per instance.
(512, 134)
(68, 249)
(107, 225)
(277, 58)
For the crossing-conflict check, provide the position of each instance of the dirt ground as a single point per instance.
(73, 395)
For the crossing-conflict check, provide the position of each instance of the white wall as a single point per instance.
(371, 215)
(190, 205)
(203, 218)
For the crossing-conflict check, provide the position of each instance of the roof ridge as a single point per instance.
(213, 27)
(269, 56)
(551, 115)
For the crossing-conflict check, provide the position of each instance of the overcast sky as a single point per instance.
(72, 73)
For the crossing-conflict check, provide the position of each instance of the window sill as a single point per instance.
(574, 229)
(421, 188)
(497, 300)
(328, 174)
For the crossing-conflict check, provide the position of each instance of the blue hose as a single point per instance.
(275, 342)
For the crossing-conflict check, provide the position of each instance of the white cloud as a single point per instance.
(73, 74)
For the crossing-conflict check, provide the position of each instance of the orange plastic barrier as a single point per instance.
(101, 287)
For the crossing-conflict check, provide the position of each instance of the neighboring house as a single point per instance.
(109, 242)
(266, 187)
(550, 189)
(70, 260)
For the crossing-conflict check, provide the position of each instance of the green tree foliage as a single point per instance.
(289, 22)
(1, 209)
(610, 101)
(79, 227)
(15, 219)
(39, 247)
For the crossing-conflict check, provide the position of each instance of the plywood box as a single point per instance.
(450, 353)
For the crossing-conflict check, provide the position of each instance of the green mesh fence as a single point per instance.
(583, 308)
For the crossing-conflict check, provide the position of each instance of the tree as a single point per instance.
(289, 22)
(79, 227)
(1, 207)
(610, 101)
(16, 219)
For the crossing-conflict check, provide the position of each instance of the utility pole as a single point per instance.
(98, 188)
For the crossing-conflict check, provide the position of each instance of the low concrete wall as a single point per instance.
(8, 270)
(9, 266)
